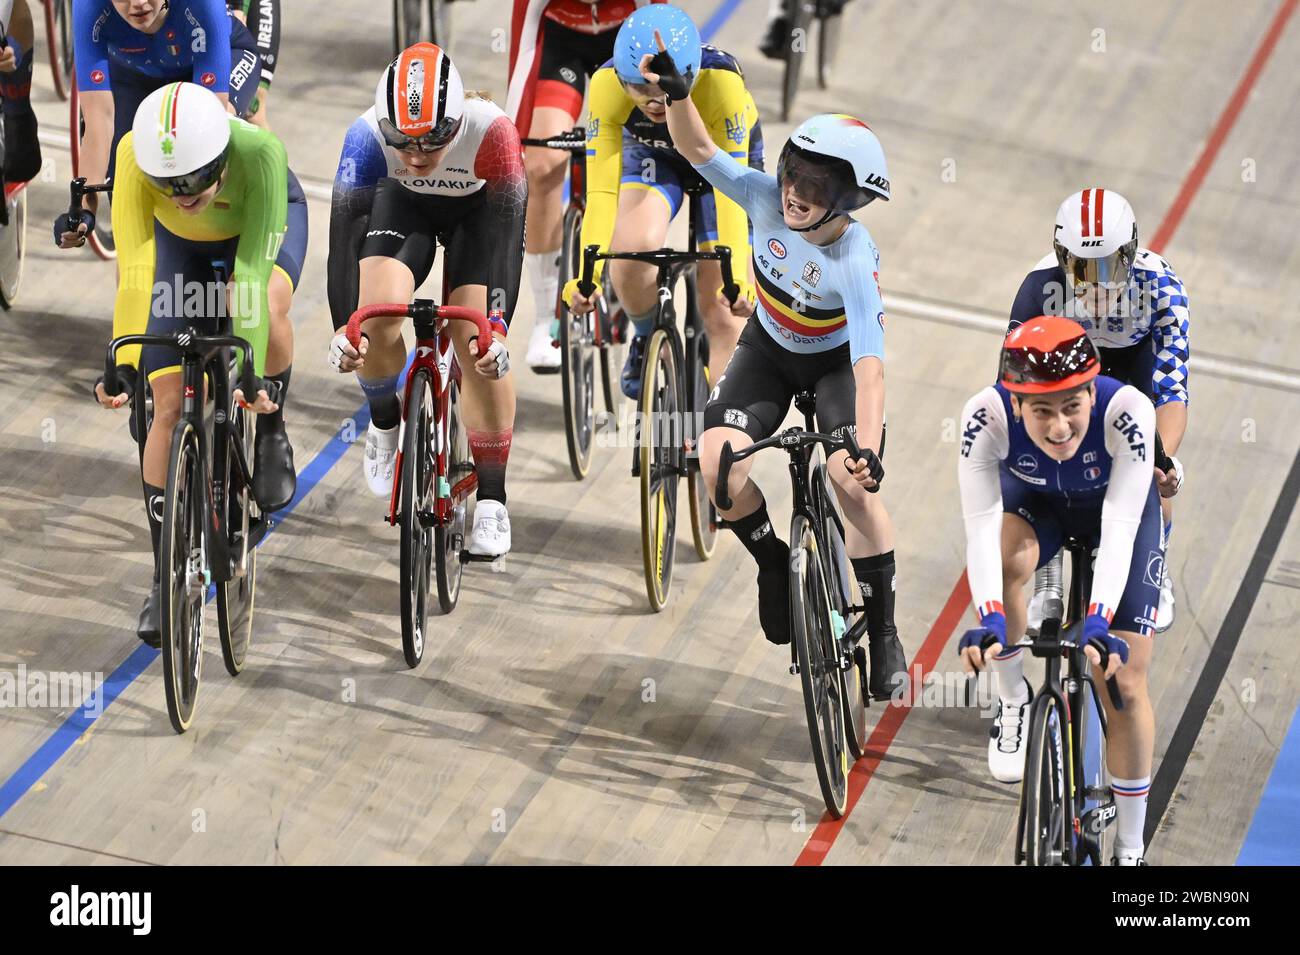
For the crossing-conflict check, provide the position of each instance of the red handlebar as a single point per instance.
(450, 312)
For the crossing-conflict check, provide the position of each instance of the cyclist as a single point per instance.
(22, 149)
(127, 49)
(429, 163)
(555, 45)
(626, 132)
(262, 17)
(197, 186)
(819, 326)
(1134, 308)
(1056, 450)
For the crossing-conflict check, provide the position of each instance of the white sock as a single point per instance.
(1009, 676)
(544, 277)
(1130, 811)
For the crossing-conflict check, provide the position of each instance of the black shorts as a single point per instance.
(1134, 365)
(568, 59)
(264, 24)
(762, 378)
(408, 226)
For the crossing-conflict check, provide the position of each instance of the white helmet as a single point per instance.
(420, 99)
(1095, 238)
(180, 135)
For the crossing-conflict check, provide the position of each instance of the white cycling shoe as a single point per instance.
(543, 354)
(1007, 740)
(490, 537)
(381, 455)
(1165, 612)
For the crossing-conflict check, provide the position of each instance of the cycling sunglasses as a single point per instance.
(432, 141)
(192, 183)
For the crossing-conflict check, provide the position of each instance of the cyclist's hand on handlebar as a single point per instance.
(126, 380)
(262, 405)
(1098, 641)
(1169, 480)
(866, 470)
(65, 237)
(578, 303)
(988, 639)
(343, 356)
(495, 363)
(743, 306)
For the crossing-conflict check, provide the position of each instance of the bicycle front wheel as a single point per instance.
(828, 45)
(13, 248)
(658, 453)
(58, 36)
(818, 658)
(235, 596)
(416, 500)
(1043, 792)
(183, 576)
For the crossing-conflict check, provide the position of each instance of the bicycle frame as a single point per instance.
(1070, 699)
(431, 347)
(201, 355)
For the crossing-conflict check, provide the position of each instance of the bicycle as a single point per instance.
(825, 647)
(1066, 803)
(674, 390)
(58, 39)
(434, 473)
(602, 330)
(416, 20)
(101, 237)
(212, 524)
(800, 14)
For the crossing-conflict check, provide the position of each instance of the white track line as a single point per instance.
(946, 313)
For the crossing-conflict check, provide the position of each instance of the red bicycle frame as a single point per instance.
(430, 347)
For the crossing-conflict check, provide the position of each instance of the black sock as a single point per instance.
(876, 577)
(275, 420)
(755, 532)
(153, 508)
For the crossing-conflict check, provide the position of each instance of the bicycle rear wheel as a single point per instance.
(1043, 794)
(577, 361)
(449, 538)
(704, 517)
(58, 37)
(658, 453)
(234, 597)
(818, 658)
(183, 576)
(799, 14)
(416, 513)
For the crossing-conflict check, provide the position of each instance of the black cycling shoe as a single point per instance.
(888, 666)
(772, 45)
(149, 629)
(274, 479)
(22, 147)
(774, 604)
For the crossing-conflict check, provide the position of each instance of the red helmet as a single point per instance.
(1048, 354)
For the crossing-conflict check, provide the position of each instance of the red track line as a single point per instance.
(823, 837)
(1221, 129)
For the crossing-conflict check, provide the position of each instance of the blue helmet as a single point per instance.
(636, 38)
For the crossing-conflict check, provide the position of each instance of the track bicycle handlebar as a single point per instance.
(188, 341)
(420, 309)
(659, 257)
(573, 141)
(76, 212)
(792, 441)
(1070, 641)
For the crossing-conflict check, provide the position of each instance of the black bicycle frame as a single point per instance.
(202, 355)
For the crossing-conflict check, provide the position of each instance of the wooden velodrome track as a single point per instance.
(555, 719)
